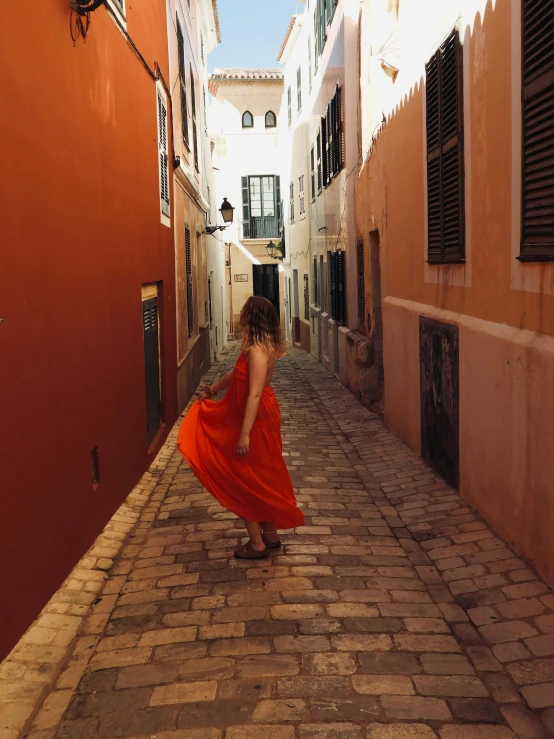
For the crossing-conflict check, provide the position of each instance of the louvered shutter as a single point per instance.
(341, 295)
(183, 84)
(338, 135)
(324, 151)
(316, 42)
(537, 240)
(312, 173)
(309, 64)
(361, 282)
(316, 292)
(330, 125)
(279, 209)
(299, 88)
(188, 268)
(445, 153)
(306, 298)
(194, 126)
(334, 292)
(245, 207)
(162, 145)
(318, 152)
(289, 104)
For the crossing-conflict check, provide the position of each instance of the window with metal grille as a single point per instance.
(289, 104)
(318, 153)
(163, 153)
(315, 284)
(299, 89)
(306, 297)
(292, 202)
(445, 153)
(309, 64)
(188, 269)
(301, 198)
(194, 126)
(361, 282)
(312, 173)
(262, 211)
(537, 231)
(183, 83)
(338, 293)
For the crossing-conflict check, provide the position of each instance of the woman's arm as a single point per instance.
(257, 364)
(221, 384)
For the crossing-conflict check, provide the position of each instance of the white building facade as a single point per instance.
(244, 116)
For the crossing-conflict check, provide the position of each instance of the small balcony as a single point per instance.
(263, 227)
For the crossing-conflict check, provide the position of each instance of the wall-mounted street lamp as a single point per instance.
(275, 251)
(226, 211)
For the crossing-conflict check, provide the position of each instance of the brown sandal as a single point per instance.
(271, 544)
(246, 551)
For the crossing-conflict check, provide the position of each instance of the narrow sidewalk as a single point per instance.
(394, 613)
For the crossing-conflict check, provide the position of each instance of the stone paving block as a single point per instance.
(400, 731)
(329, 731)
(415, 708)
(383, 685)
(255, 732)
(465, 686)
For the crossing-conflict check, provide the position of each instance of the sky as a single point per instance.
(252, 32)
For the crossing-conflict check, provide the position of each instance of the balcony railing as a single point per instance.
(264, 227)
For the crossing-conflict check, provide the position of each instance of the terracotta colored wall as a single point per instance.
(506, 345)
(80, 233)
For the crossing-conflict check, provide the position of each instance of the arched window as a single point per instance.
(247, 120)
(270, 119)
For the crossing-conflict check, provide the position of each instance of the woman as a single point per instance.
(235, 448)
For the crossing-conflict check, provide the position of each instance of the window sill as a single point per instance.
(530, 258)
(441, 262)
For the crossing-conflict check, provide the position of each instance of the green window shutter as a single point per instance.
(245, 200)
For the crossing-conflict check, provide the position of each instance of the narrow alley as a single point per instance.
(394, 613)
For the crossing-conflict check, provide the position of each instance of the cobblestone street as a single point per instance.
(394, 613)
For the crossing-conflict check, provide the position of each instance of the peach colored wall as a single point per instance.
(506, 419)
(506, 369)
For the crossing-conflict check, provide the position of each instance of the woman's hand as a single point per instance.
(206, 395)
(243, 446)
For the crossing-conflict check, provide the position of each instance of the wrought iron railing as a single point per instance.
(264, 227)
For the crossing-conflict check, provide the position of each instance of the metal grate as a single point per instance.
(190, 295)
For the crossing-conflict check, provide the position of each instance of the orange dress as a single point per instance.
(256, 487)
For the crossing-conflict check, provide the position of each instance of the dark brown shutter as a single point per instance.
(334, 292)
(188, 269)
(306, 298)
(445, 153)
(324, 150)
(361, 282)
(312, 172)
(341, 297)
(330, 129)
(183, 84)
(194, 126)
(318, 152)
(316, 293)
(537, 234)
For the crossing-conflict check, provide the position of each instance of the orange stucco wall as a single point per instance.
(506, 345)
(81, 233)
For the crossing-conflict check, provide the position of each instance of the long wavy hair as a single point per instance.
(262, 327)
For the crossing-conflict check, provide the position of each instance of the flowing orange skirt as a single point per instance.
(256, 487)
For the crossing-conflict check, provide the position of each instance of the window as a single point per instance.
(361, 282)
(315, 285)
(310, 74)
(163, 153)
(291, 202)
(338, 295)
(301, 198)
(261, 196)
(312, 173)
(537, 232)
(188, 268)
(332, 138)
(247, 119)
(289, 104)
(183, 84)
(306, 297)
(445, 154)
(202, 48)
(324, 11)
(205, 109)
(194, 126)
(318, 153)
(270, 119)
(299, 89)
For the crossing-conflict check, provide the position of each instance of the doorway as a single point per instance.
(151, 367)
(266, 283)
